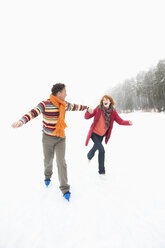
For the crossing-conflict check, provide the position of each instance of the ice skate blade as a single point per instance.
(103, 177)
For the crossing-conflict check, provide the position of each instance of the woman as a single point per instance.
(104, 116)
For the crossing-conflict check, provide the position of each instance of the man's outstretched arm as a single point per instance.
(76, 107)
(30, 115)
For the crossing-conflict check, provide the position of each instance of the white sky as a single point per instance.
(88, 45)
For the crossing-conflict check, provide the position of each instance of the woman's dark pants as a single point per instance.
(97, 139)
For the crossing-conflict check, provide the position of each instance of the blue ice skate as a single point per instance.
(67, 195)
(47, 181)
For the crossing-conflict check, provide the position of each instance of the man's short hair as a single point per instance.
(57, 87)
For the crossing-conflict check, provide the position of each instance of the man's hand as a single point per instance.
(17, 124)
(131, 123)
(90, 110)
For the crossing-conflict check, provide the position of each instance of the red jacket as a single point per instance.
(96, 114)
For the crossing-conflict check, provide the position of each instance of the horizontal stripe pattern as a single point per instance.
(50, 114)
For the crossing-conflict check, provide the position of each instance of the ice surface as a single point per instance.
(126, 210)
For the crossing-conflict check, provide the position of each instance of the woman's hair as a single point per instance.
(107, 97)
(57, 87)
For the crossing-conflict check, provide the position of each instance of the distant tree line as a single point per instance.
(146, 92)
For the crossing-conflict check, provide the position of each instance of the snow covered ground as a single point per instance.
(124, 210)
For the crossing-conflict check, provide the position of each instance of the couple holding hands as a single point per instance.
(53, 139)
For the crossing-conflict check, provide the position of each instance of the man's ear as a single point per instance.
(58, 94)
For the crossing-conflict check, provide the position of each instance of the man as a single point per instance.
(53, 139)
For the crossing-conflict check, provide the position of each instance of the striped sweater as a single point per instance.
(50, 114)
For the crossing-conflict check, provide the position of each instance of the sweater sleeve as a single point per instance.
(119, 120)
(40, 108)
(74, 107)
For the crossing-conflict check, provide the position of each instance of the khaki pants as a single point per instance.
(55, 145)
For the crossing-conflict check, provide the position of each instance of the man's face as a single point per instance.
(61, 95)
(106, 102)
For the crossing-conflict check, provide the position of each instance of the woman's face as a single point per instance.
(106, 102)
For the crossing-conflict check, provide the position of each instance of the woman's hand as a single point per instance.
(131, 123)
(90, 110)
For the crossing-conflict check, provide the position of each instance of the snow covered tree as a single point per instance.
(146, 92)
